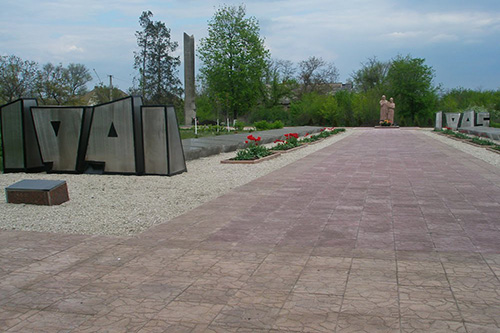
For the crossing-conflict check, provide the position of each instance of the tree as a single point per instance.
(17, 78)
(52, 84)
(78, 76)
(410, 83)
(158, 69)
(280, 82)
(315, 74)
(371, 75)
(234, 60)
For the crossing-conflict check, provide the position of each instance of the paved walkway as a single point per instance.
(383, 231)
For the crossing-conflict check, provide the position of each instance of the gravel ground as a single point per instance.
(127, 205)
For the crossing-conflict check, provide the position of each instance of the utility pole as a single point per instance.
(110, 87)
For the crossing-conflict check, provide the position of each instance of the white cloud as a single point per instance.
(346, 32)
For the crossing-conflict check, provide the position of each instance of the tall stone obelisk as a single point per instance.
(189, 89)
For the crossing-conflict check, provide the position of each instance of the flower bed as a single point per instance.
(475, 141)
(255, 153)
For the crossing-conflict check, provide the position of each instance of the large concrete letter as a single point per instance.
(19, 143)
(439, 121)
(59, 133)
(114, 134)
(189, 89)
(483, 119)
(452, 120)
(163, 152)
(468, 119)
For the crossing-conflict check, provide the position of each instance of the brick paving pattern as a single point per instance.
(384, 231)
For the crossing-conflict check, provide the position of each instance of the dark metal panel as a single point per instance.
(58, 131)
(155, 140)
(138, 143)
(19, 144)
(33, 156)
(111, 138)
(176, 160)
(12, 136)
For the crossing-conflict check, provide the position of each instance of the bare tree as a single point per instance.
(315, 74)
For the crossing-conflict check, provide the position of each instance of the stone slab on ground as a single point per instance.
(383, 231)
(37, 192)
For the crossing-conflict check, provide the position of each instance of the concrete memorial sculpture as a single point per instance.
(115, 137)
(383, 108)
(439, 121)
(387, 112)
(19, 143)
(452, 120)
(189, 87)
(162, 142)
(390, 110)
(61, 136)
(106, 138)
(483, 119)
(468, 119)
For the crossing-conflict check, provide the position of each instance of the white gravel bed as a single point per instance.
(127, 205)
(481, 153)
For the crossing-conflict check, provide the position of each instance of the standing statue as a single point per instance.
(383, 108)
(390, 110)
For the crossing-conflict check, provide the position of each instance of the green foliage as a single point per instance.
(460, 99)
(482, 142)
(269, 114)
(17, 78)
(314, 109)
(277, 124)
(101, 94)
(234, 61)
(159, 82)
(253, 152)
(410, 83)
(262, 125)
(239, 125)
(371, 75)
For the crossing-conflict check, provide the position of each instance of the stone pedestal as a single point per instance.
(38, 192)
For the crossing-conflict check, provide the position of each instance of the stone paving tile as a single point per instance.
(412, 325)
(384, 231)
(304, 312)
(48, 321)
(367, 324)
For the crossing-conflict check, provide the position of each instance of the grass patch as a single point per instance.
(482, 142)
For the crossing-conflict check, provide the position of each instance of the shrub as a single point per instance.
(239, 125)
(277, 124)
(262, 125)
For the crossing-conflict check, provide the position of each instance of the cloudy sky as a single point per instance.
(459, 39)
